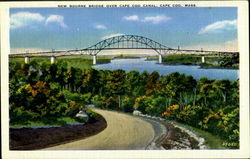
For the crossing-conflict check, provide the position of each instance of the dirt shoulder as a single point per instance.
(177, 138)
(38, 138)
(171, 136)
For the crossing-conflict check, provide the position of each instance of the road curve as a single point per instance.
(123, 132)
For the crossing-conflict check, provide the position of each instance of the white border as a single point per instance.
(243, 38)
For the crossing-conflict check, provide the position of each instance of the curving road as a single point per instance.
(123, 132)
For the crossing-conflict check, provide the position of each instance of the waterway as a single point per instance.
(141, 65)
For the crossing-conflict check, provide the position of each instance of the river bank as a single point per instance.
(201, 66)
(213, 62)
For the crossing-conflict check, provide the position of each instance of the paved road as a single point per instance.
(123, 132)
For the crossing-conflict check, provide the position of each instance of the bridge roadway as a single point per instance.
(123, 132)
(85, 52)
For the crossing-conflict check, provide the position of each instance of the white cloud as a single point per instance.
(219, 26)
(58, 19)
(150, 19)
(22, 19)
(111, 35)
(156, 19)
(131, 18)
(100, 27)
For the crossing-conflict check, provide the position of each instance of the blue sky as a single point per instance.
(70, 28)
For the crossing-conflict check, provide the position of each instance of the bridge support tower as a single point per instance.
(26, 59)
(94, 59)
(52, 59)
(160, 59)
(203, 60)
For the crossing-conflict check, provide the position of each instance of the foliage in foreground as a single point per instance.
(44, 91)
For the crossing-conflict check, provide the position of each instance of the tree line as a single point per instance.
(40, 90)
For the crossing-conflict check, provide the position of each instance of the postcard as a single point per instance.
(119, 79)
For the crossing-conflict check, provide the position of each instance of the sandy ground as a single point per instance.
(123, 132)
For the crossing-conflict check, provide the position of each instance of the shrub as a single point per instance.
(77, 97)
(92, 115)
(110, 103)
(127, 104)
(73, 108)
(19, 115)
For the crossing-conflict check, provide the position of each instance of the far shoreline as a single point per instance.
(173, 64)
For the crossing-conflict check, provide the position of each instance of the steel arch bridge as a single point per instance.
(127, 42)
(123, 42)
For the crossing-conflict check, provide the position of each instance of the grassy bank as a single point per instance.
(212, 65)
(212, 141)
(178, 59)
(37, 59)
(149, 58)
(126, 56)
(58, 122)
(76, 61)
(211, 61)
(182, 59)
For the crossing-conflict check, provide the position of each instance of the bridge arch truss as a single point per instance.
(127, 42)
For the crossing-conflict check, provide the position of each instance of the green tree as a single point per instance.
(222, 87)
(127, 103)
(74, 79)
(62, 74)
(116, 84)
(132, 83)
(90, 81)
(155, 105)
(152, 83)
(175, 85)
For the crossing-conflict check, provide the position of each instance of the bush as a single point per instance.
(97, 101)
(92, 115)
(223, 122)
(77, 97)
(19, 115)
(140, 104)
(110, 103)
(73, 108)
(127, 104)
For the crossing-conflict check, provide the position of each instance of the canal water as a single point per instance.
(141, 65)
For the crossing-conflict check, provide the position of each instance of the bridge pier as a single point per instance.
(203, 60)
(26, 59)
(160, 59)
(52, 59)
(94, 59)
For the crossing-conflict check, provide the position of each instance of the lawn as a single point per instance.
(77, 62)
(59, 122)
